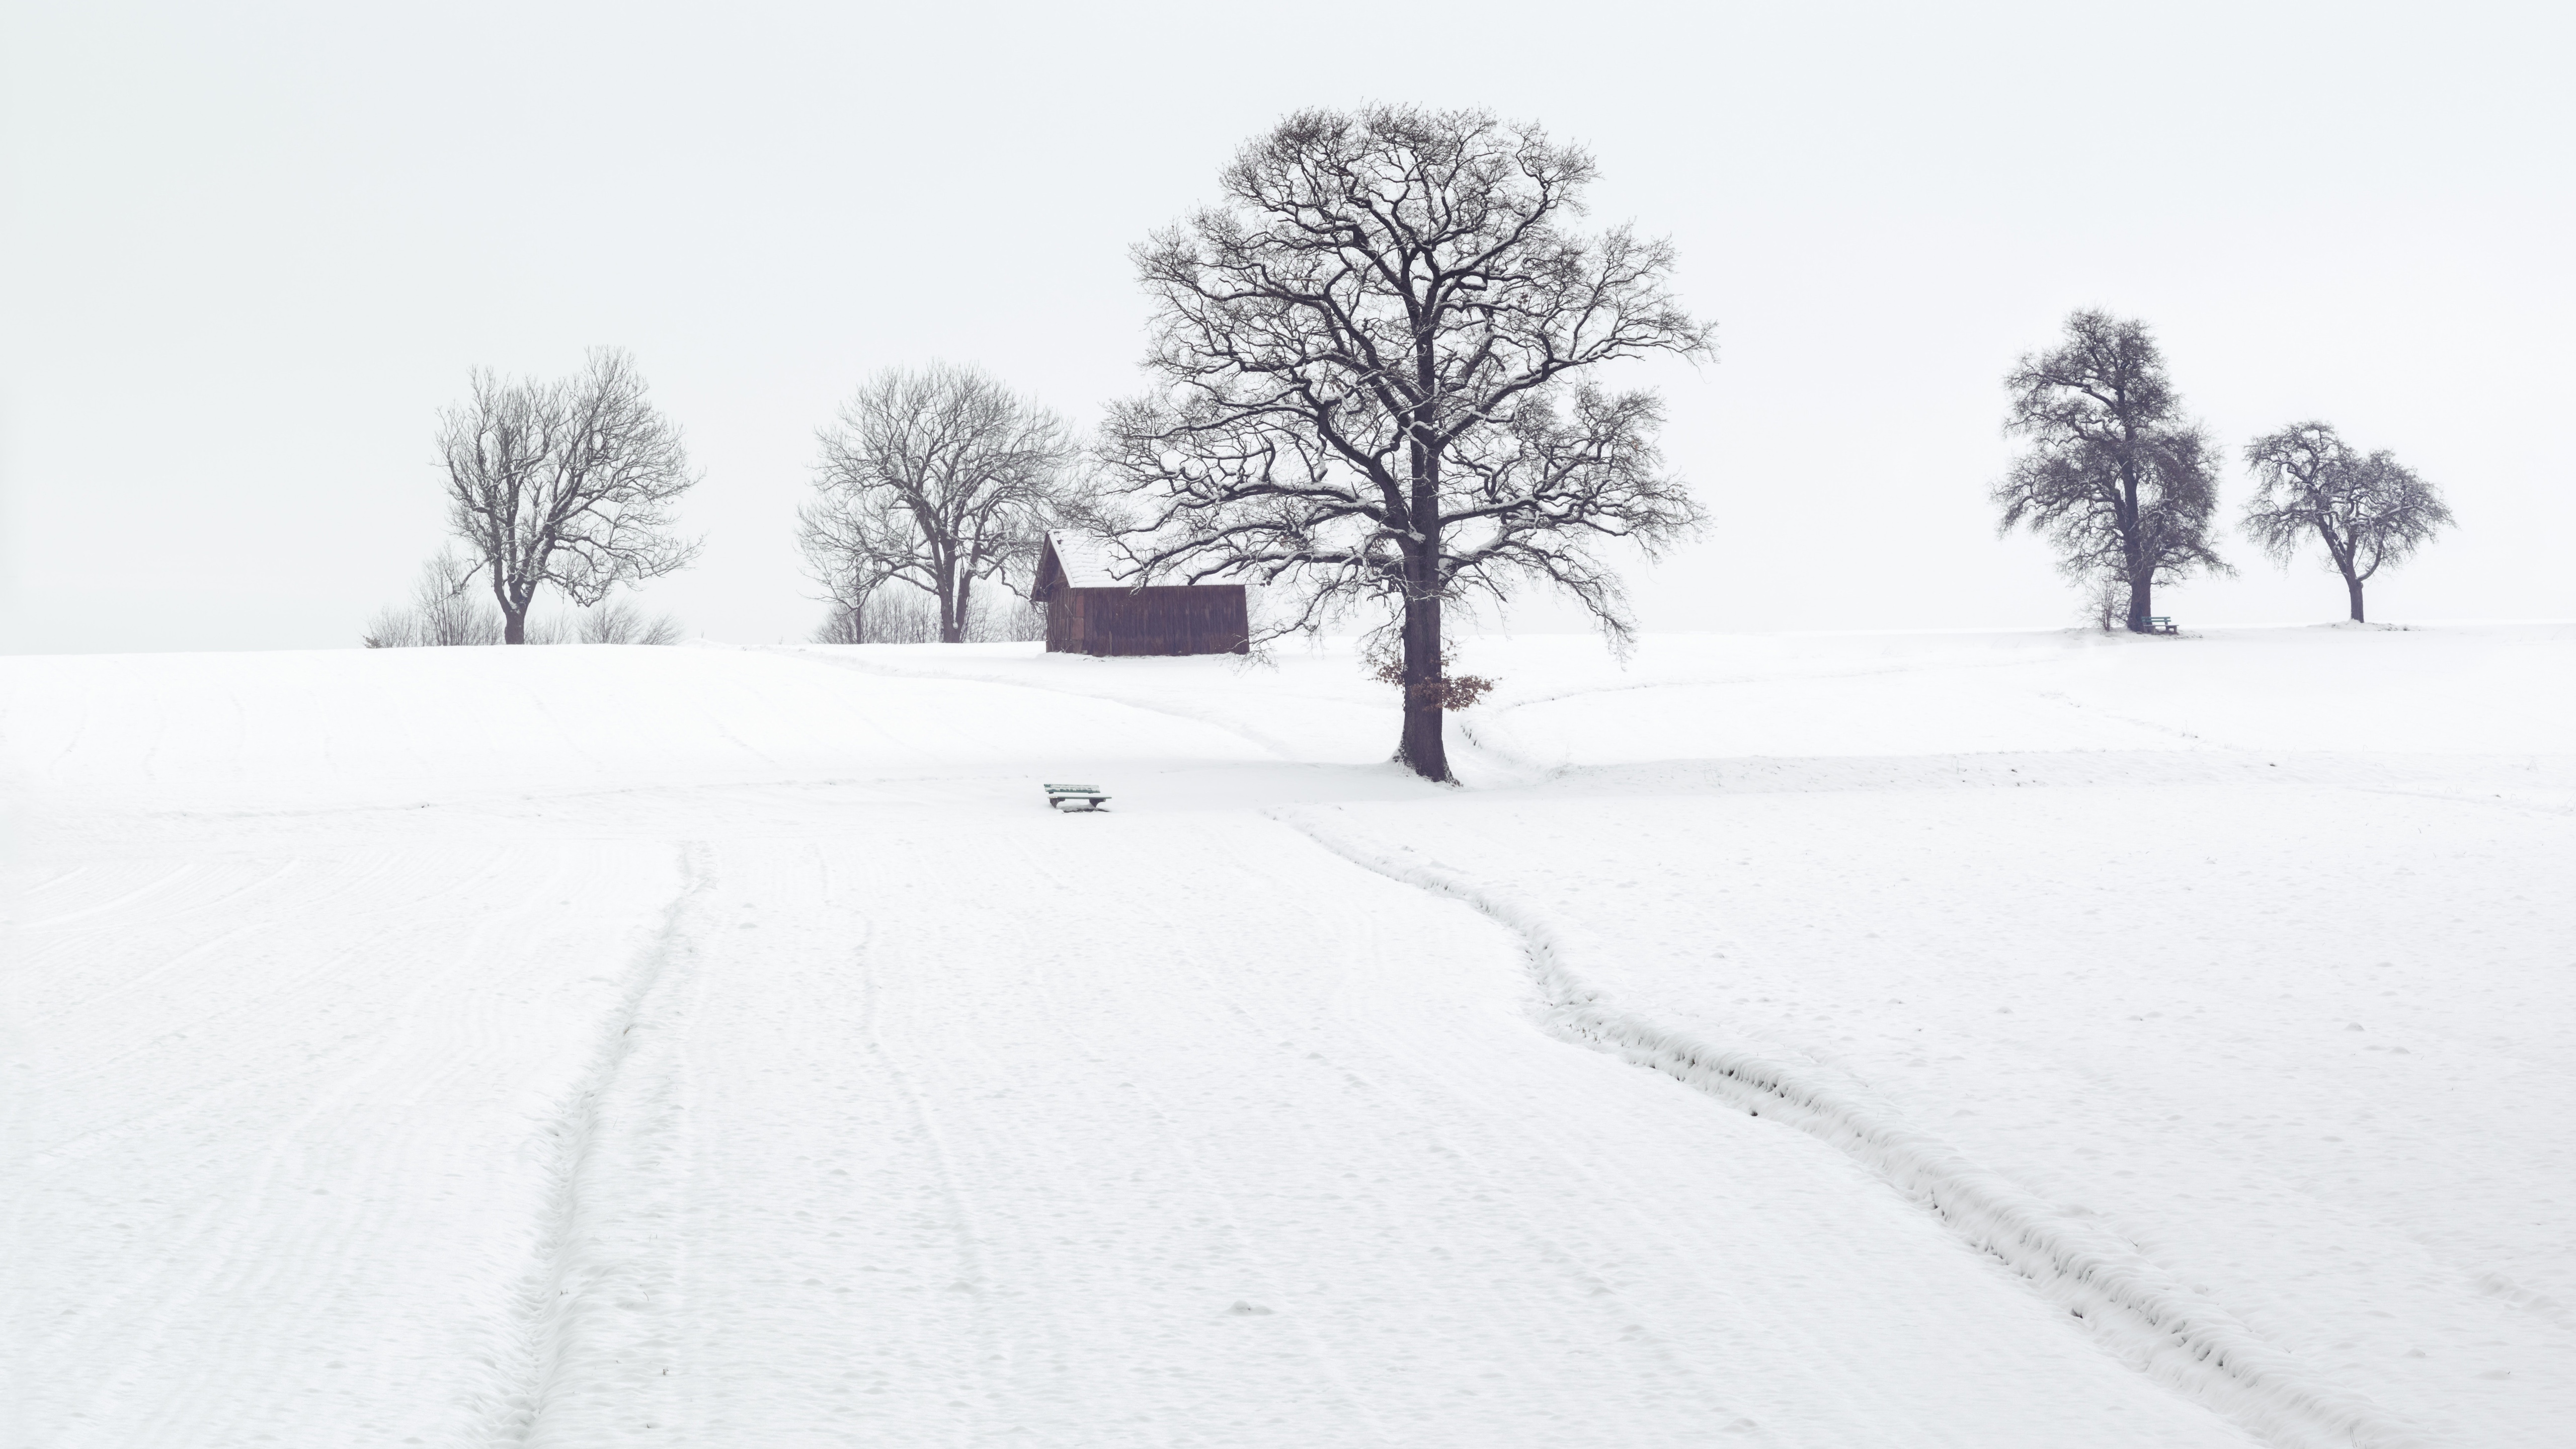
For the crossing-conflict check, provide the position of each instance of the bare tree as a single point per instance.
(851, 549)
(900, 616)
(2115, 476)
(937, 477)
(908, 616)
(2367, 511)
(1374, 357)
(441, 611)
(617, 621)
(569, 484)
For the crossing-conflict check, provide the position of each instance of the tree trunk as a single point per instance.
(1421, 747)
(514, 622)
(948, 602)
(2141, 604)
(2352, 585)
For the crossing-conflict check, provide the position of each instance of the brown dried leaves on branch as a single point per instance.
(1446, 691)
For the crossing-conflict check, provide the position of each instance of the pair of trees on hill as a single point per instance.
(2126, 486)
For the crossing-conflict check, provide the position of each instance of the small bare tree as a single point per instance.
(938, 478)
(2115, 477)
(908, 616)
(852, 551)
(617, 621)
(569, 484)
(842, 625)
(441, 612)
(899, 616)
(2367, 511)
(1374, 355)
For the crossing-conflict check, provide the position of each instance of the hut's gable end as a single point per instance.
(1071, 561)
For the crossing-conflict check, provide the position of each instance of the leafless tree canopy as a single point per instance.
(568, 483)
(2115, 476)
(2367, 511)
(937, 478)
(1374, 356)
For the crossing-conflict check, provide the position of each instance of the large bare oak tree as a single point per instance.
(2368, 511)
(568, 483)
(1374, 355)
(938, 477)
(2116, 477)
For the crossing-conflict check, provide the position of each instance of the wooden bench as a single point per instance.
(1082, 797)
(2160, 624)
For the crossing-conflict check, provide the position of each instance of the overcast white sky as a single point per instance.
(252, 248)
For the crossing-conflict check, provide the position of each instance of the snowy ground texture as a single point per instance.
(1993, 1040)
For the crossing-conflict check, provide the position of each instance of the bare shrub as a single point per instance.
(440, 612)
(618, 621)
(1008, 620)
(908, 616)
(882, 616)
(2108, 610)
(841, 626)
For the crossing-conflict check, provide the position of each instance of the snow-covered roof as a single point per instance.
(1084, 561)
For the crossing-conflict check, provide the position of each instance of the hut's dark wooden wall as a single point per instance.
(1178, 619)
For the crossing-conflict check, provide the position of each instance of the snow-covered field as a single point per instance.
(2008, 1039)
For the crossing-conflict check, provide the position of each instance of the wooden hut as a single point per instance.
(1089, 610)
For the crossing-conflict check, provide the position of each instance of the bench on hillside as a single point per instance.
(2160, 624)
(1080, 797)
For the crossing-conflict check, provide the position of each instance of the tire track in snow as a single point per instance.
(2133, 1308)
(583, 1272)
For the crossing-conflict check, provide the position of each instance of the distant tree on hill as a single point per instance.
(445, 610)
(2368, 511)
(938, 478)
(569, 484)
(1376, 356)
(2115, 476)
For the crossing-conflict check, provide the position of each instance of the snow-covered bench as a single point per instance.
(1084, 797)
(2160, 624)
